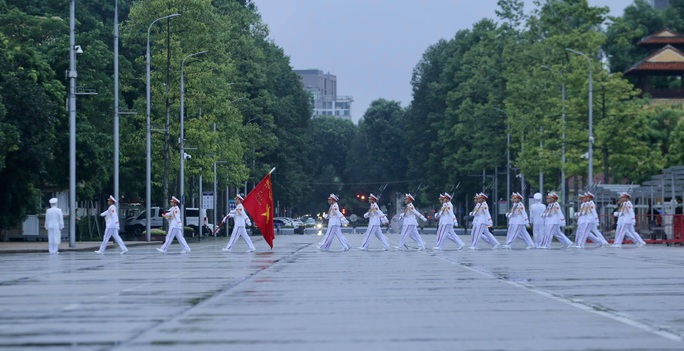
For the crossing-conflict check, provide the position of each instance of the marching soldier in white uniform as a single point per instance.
(536, 211)
(54, 223)
(626, 219)
(517, 223)
(594, 222)
(375, 220)
(482, 220)
(335, 220)
(447, 222)
(410, 224)
(241, 219)
(553, 221)
(112, 227)
(173, 215)
(584, 223)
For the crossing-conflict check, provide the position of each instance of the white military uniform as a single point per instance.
(335, 221)
(375, 220)
(625, 225)
(482, 220)
(54, 223)
(409, 227)
(536, 211)
(447, 221)
(241, 220)
(584, 225)
(175, 230)
(517, 223)
(553, 221)
(593, 225)
(111, 229)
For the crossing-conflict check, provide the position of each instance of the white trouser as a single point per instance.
(584, 231)
(377, 231)
(334, 231)
(109, 233)
(518, 231)
(593, 228)
(538, 232)
(446, 231)
(627, 229)
(237, 233)
(480, 231)
(54, 238)
(551, 231)
(412, 231)
(178, 234)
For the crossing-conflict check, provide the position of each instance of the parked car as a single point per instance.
(197, 218)
(138, 224)
(297, 223)
(282, 222)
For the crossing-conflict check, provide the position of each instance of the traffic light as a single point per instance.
(344, 211)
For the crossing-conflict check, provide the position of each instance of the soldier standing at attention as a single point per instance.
(54, 223)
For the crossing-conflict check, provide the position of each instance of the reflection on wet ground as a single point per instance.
(298, 298)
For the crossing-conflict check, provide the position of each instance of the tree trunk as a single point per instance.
(606, 174)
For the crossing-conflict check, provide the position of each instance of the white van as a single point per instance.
(196, 218)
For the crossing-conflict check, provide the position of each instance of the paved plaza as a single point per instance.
(296, 297)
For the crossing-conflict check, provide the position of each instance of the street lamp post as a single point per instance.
(72, 125)
(148, 178)
(591, 118)
(182, 131)
(215, 193)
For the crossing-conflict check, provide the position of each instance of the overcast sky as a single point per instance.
(372, 46)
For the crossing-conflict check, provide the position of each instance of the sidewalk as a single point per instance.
(10, 247)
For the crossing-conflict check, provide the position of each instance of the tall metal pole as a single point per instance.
(590, 154)
(508, 154)
(148, 178)
(116, 102)
(182, 131)
(563, 181)
(215, 194)
(72, 125)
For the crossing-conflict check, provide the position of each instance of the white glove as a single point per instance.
(248, 222)
(616, 213)
(455, 224)
(344, 221)
(325, 215)
(508, 215)
(470, 214)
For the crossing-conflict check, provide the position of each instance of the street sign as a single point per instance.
(208, 200)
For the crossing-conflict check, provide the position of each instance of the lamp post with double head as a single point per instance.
(182, 131)
(590, 154)
(148, 178)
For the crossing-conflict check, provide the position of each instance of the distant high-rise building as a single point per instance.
(323, 87)
(659, 4)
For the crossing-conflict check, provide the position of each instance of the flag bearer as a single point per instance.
(241, 219)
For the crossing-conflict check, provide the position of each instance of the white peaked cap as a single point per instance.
(334, 197)
(175, 199)
(239, 196)
(537, 196)
(371, 196)
(53, 200)
(112, 198)
(447, 196)
(409, 196)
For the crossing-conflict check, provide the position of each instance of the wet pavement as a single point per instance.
(298, 298)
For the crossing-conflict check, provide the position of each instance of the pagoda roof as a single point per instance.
(663, 37)
(667, 60)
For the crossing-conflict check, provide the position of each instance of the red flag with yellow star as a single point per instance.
(259, 206)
